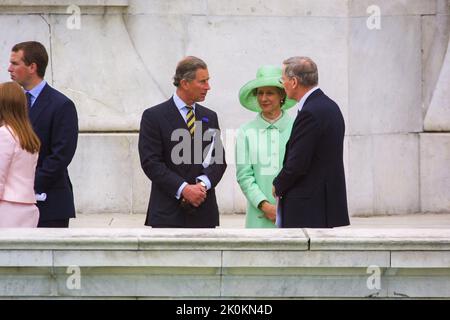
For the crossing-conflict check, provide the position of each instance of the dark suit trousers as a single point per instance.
(63, 223)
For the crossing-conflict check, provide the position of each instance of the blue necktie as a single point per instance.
(28, 100)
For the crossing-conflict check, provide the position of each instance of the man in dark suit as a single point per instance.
(182, 154)
(311, 184)
(54, 119)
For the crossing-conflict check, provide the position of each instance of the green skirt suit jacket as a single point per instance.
(260, 148)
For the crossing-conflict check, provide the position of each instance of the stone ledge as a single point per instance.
(152, 239)
(400, 239)
(64, 3)
(190, 263)
(338, 239)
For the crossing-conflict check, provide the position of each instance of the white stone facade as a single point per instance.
(391, 82)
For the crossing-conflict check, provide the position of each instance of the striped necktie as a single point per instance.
(190, 120)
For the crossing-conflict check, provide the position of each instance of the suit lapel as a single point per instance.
(39, 105)
(174, 116)
(200, 115)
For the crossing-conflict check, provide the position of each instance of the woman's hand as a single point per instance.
(270, 210)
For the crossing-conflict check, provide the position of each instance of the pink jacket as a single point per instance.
(17, 168)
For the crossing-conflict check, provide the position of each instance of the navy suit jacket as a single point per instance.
(312, 181)
(54, 119)
(159, 151)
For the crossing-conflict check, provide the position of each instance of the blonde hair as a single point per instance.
(14, 114)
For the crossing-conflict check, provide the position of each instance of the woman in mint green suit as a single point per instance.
(261, 143)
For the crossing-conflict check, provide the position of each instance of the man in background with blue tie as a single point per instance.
(54, 119)
(180, 156)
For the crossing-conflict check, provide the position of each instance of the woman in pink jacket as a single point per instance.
(19, 150)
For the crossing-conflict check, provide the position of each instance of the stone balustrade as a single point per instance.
(225, 263)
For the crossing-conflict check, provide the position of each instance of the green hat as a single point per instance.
(266, 76)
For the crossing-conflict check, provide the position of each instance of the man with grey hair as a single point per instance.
(183, 173)
(311, 185)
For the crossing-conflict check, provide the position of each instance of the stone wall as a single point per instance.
(192, 264)
(391, 82)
